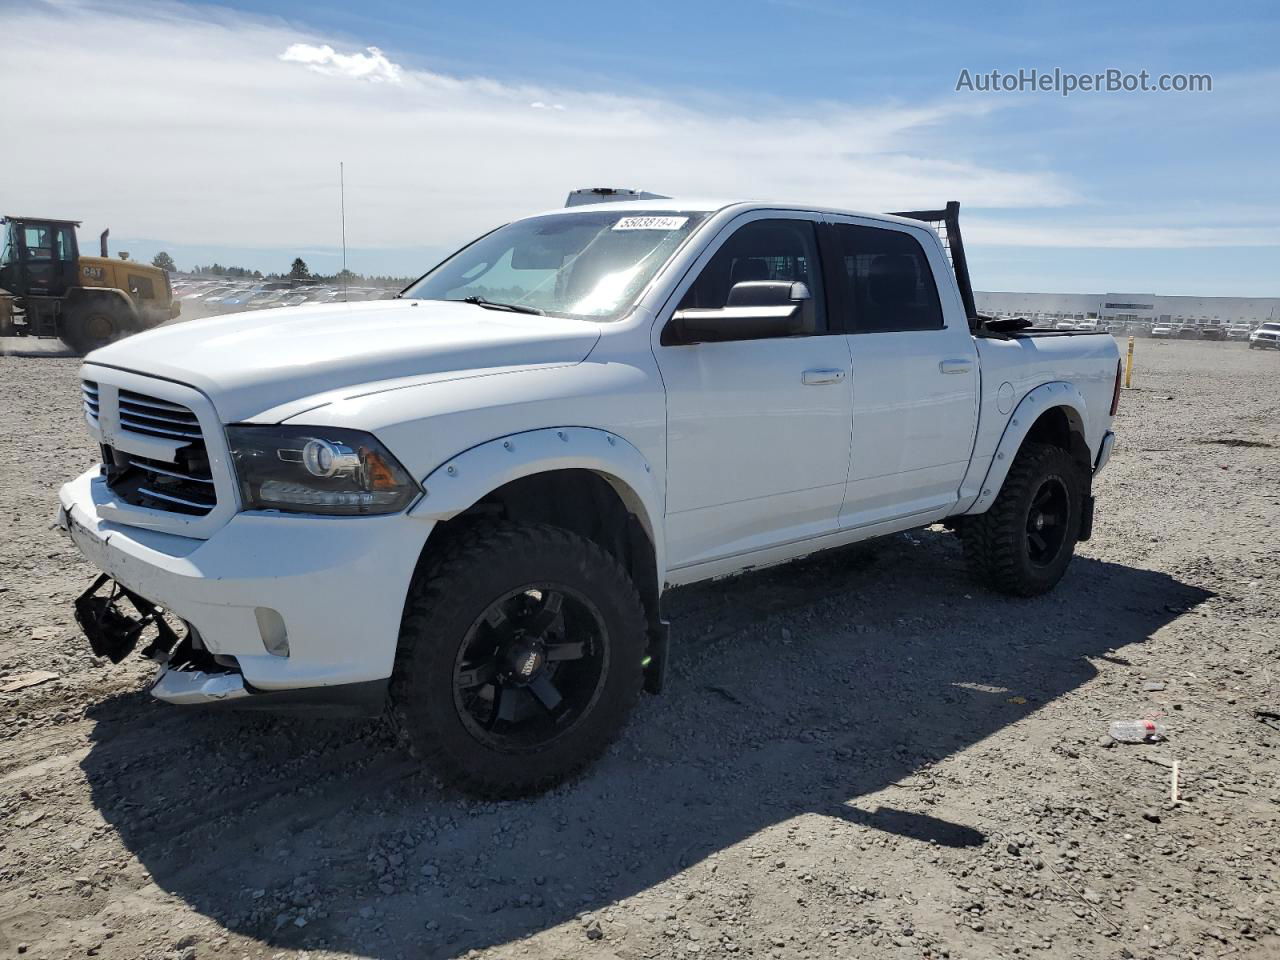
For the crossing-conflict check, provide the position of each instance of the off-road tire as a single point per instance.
(995, 543)
(473, 570)
(95, 322)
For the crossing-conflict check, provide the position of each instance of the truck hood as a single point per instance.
(248, 363)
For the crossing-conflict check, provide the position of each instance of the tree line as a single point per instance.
(298, 270)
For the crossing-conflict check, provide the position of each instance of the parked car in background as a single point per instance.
(1188, 331)
(208, 294)
(266, 298)
(1163, 330)
(1213, 331)
(1239, 331)
(1266, 337)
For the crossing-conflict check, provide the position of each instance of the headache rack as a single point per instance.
(947, 222)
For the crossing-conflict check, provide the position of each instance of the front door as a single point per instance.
(47, 252)
(758, 430)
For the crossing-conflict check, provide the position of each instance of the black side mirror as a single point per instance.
(756, 310)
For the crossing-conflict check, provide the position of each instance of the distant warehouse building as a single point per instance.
(1120, 307)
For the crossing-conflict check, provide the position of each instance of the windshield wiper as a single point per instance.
(493, 305)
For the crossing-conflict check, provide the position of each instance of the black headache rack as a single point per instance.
(947, 222)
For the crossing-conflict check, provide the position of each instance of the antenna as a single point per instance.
(342, 205)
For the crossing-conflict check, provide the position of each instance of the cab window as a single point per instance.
(38, 242)
(777, 250)
(65, 245)
(141, 287)
(890, 282)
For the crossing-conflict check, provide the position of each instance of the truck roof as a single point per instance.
(714, 205)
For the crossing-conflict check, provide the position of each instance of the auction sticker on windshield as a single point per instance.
(651, 223)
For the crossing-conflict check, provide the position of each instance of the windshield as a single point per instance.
(589, 266)
(1271, 326)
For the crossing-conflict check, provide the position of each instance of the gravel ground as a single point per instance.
(861, 755)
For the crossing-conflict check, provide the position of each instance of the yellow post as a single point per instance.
(1128, 367)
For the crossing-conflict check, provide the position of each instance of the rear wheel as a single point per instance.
(95, 323)
(1023, 544)
(519, 659)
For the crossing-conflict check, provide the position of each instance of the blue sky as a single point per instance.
(469, 114)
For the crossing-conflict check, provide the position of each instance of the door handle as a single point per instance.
(812, 377)
(955, 366)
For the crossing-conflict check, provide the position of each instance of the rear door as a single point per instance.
(915, 371)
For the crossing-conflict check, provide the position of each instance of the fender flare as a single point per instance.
(1045, 397)
(463, 480)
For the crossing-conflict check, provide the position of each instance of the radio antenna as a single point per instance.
(342, 206)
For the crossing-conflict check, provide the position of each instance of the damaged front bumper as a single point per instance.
(271, 612)
(189, 675)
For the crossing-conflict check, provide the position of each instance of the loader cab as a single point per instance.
(39, 257)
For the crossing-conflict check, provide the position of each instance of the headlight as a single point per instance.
(318, 470)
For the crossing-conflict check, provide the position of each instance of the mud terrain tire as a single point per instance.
(1023, 544)
(476, 626)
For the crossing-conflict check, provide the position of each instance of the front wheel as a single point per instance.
(519, 658)
(1023, 544)
(95, 323)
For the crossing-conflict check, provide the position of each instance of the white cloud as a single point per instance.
(229, 130)
(372, 65)
(1117, 236)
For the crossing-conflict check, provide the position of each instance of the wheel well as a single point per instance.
(1062, 427)
(582, 501)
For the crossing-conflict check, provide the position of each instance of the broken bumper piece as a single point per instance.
(112, 631)
(194, 687)
(190, 686)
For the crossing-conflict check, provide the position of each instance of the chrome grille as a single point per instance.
(182, 485)
(89, 392)
(157, 418)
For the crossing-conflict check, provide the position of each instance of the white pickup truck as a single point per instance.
(469, 501)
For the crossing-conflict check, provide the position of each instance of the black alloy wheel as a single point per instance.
(531, 666)
(1047, 521)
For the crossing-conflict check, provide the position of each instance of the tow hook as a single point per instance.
(112, 632)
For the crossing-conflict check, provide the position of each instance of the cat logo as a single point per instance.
(92, 273)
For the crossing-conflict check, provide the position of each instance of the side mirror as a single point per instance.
(756, 310)
(767, 293)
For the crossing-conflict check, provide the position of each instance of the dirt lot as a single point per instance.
(860, 756)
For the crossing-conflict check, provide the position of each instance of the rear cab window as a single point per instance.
(889, 283)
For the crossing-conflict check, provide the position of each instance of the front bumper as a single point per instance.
(327, 591)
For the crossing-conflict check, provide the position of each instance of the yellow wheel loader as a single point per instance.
(48, 290)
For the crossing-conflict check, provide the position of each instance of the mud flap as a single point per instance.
(1086, 519)
(655, 664)
(112, 632)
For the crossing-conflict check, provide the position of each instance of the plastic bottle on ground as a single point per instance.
(1137, 731)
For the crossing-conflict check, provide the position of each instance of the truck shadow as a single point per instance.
(803, 690)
